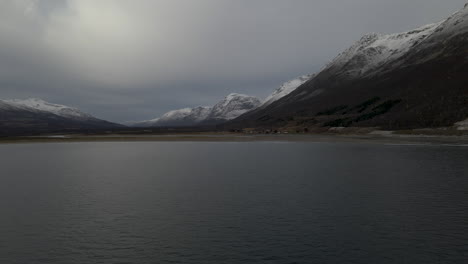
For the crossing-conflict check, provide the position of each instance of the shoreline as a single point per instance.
(243, 138)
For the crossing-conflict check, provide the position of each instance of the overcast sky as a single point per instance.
(127, 60)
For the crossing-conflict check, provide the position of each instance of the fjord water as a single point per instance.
(233, 203)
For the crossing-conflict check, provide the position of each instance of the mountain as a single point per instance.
(415, 79)
(175, 118)
(232, 106)
(229, 108)
(369, 55)
(60, 110)
(286, 89)
(32, 116)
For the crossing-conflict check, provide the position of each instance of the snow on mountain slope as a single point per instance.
(34, 104)
(286, 89)
(233, 106)
(229, 108)
(180, 117)
(4, 105)
(462, 125)
(32, 116)
(422, 71)
(377, 53)
(374, 50)
(454, 25)
(373, 54)
(195, 114)
(449, 36)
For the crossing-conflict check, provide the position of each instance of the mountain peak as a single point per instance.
(232, 106)
(37, 104)
(374, 50)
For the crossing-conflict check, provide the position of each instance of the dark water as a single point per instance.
(233, 203)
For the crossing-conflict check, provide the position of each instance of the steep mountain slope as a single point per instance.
(286, 89)
(373, 51)
(229, 108)
(414, 79)
(32, 116)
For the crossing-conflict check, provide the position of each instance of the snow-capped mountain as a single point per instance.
(371, 52)
(56, 109)
(196, 114)
(376, 53)
(36, 116)
(229, 108)
(286, 89)
(181, 117)
(414, 79)
(233, 106)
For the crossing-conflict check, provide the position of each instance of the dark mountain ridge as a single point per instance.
(34, 116)
(416, 79)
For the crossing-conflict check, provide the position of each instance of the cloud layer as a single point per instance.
(135, 59)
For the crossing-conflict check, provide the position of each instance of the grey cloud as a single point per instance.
(136, 59)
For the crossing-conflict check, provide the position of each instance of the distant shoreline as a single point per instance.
(213, 137)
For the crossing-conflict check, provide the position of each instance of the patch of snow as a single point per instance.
(285, 89)
(195, 114)
(34, 104)
(455, 24)
(374, 50)
(231, 107)
(4, 105)
(462, 125)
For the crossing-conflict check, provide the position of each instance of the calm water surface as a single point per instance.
(233, 203)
